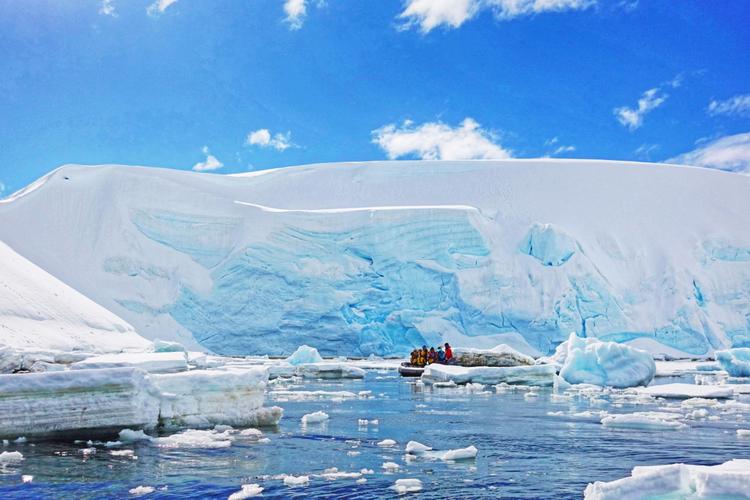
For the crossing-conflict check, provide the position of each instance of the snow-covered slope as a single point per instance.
(38, 311)
(376, 257)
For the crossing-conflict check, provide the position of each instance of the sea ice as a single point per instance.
(416, 448)
(591, 361)
(304, 355)
(315, 418)
(152, 362)
(390, 466)
(59, 403)
(743, 433)
(684, 391)
(728, 480)
(539, 375)
(329, 370)
(735, 361)
(294, 481)
(387, 443)
(131, 436)
(141, 490)
(246, 491)
(10, 457)
(407, 485)
(192, 438)
(644, 421)
(501, 355)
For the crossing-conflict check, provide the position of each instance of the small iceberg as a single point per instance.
(735, 361)
(304, 355)
(317, 417)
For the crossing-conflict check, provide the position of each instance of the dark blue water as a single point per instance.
(523, 452)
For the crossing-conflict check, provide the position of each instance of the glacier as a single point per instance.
(377, 257)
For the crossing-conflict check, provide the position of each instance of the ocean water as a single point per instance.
(523, 451)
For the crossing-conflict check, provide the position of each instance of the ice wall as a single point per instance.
(378, 257)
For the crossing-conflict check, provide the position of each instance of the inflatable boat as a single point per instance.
(409, 370)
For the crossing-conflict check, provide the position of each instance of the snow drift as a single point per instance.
(364, 258)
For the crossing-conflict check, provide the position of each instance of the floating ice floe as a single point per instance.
(203, 398)
(295, 481)
(390, 466)
(363, 422)
(590, 416)
(132, 436)
(27, 478)
(329, 370)
(539, 375)
(744, 433)
(420, 450)
(334, 473)
(151, 362)
(407, 485)
(58, 403)
(685, 391)
(591, 361)
(122, 453)
(317, 417)
(304, 355)
(501, 355)
(728, 480)
(141, 490)
(10, 457)
(246, 491)
(644, 421)
(387, 443)
(192, 438)
(735, 361)
(302, 395)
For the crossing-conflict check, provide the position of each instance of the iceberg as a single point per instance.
(203, 398)
(501, 355)
(591, 361)
(152, 362)
(315, 418)
(735, 361)
(728, 480)
(520, 252)
(656, 421)
(304, 355)
(85, 402)
(329, 370)
(538, 375)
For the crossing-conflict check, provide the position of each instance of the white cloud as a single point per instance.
(107, 8)
(437, 141)
(559, 148)
(644, 151)
(430, 14)
(737, 105)
(263, 138)
(159, 6)
(632, 118)
(295, 10)
(730, 153)
(210, 163)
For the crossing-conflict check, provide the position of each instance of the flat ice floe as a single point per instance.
(416, 449)
(685, 391)
(539, 375)
(407, 485)
(246, 491)
(152, 362)
(644, 421)
(317, 417)
(728, 480)
(58, 403)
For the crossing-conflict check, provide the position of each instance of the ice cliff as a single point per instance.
(361, 258)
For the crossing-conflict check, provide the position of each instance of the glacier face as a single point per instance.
(378, 257)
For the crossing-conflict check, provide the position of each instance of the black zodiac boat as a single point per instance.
(409, 370)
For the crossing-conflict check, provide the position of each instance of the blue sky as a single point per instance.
(237, 85)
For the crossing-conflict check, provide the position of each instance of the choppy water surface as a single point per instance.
(523, 452)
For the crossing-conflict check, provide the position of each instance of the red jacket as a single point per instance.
(448, 353)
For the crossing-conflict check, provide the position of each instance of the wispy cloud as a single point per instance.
(438, 141)
(644, 151)
(296, 11)
(558, 148)
(209, 164)
(730, 153)
(263, 138)
(107, 8)
(737, 105)
(632, 118)
(159, 6)
(430, 14)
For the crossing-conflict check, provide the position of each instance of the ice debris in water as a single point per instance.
(304, 355)
(644, 421)
(10, 457)
(387, 443)
(131, 436)
(192, 438)
(246, 491)
(141, 490)
(315, 418)
(122, 453)
(296, 480)
(591, 361)
(745, 433)
(334, 473)
(25, 479)
(684, 391)
(424, 451)
(363, 422)
(728, 480)
(251, 433)
(390, 466)
(735, 361)
(407, 485)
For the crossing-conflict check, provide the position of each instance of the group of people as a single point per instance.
(423, 356)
